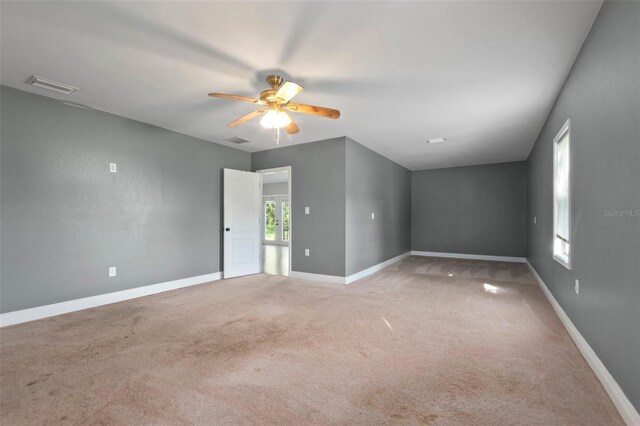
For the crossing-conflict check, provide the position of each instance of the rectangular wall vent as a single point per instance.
(236, 139)
(43, 83)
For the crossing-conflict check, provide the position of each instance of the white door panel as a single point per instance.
(242, 212)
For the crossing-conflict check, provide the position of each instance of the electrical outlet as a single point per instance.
(534, 220)
(307, 252)
(112, 271)
(113, 167)
(373, 216)
(306, 210)
(577, 287)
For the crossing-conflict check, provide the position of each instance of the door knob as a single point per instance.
(227, 229)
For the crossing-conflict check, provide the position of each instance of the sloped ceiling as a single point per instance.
(482, 74)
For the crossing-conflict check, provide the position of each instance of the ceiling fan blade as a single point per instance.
(235, 97)
(247, 117)
(287, 91)
(292, 128)
(315, 110)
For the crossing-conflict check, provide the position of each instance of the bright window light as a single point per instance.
(490, 288)
(562, 196)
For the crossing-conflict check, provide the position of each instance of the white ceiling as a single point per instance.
(482, 74)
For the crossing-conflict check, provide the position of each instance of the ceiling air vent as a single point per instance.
(76, 105)
(43, 83)
(236, 139)
(436, 140)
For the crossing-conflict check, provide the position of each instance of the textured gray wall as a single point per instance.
(470, 210)
(317, 181)
(602, 97)
(66, 219)
(375, 184)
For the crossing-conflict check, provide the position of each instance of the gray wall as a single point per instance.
(375, 184)
(317, 181)
(65, 219)
(470, 210)
(280, 188)
(601, 96)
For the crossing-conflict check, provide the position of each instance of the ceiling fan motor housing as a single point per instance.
(268, 95)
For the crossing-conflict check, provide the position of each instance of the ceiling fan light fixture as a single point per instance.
(275, 119)
(275, 106)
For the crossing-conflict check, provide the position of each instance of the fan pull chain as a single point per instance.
(277, 135)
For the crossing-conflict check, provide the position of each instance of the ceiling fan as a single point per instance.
(276, 105)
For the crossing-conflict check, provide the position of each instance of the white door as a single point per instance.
(242, 194)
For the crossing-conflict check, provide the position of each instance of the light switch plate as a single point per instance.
(307, 252)
(306, 210)
(373, 216)
(112, 271)
(577, 287)
(113, 167)
(535, 220)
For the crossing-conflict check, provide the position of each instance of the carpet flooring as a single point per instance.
(424, 341)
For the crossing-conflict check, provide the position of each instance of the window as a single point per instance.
(562, 196)
(285, 221)
(270, 220)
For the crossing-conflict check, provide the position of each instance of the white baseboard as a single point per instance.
(375, 268)
(318, 277)
(468, 256)
(39, 312)
(351, 278)
(627, 411)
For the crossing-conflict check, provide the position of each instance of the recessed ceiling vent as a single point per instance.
(436, 140)
(76, 105)
(236, 139)
(43, 83)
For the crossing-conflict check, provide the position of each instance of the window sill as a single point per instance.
(563, 261)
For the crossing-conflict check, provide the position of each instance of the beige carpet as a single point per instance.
(424, 341)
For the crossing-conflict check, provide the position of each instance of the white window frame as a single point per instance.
(566, 129)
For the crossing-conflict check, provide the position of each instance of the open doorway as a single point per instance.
(276, 221)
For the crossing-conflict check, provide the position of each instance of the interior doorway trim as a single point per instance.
(291, 208)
